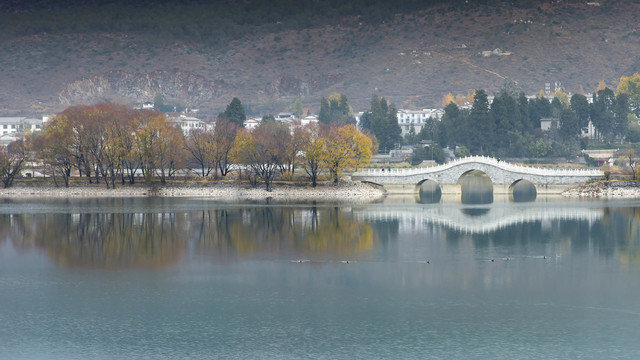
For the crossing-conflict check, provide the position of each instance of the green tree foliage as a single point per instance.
(431, 152)
(297, 108)
(452, 128)
(506, 115)
(620, 115)
(482, 125)
(539, 108)
(510, 126)
(580, 105)
(268, 118)
(159, 104)
(335, 110)
(556, 107)
(523, 109)
(234, 112)
(569, 124)
(382, 121)
(602, 113)
(540, 148)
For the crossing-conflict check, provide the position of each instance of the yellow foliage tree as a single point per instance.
(601, 86)
(55, 147)
(630, 85)
(149, 143)
(448, 99)
(242, 144)
(563, 97)
(346, 148)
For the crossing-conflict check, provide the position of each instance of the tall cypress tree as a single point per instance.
(482, 125)
(523, 108)
(324, 115)
(382, 120)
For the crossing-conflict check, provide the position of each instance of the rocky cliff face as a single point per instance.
(181, 86)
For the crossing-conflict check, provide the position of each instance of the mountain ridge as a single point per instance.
(412, 59)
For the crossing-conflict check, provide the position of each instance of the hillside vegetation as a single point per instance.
(271, 53)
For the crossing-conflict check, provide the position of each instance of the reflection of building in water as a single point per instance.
(474, 220)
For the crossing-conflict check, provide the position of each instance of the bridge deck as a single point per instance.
(500, 172)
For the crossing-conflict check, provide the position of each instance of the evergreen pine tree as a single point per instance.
(235, 112)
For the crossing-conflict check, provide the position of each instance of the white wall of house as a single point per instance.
(188, 123)
(546, 124)
(10, 125)
(416, 118)
(252, 123)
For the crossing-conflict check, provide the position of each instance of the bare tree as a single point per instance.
(11, 161)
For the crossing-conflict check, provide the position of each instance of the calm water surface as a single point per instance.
(193, 279)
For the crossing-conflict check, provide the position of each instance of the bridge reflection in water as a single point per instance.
(480, 219)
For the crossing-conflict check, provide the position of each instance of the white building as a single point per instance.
(416, 118)
(589, 132)
(188, 123)
(548, 123)
(285, 116)
(252, 123)
(9, 125)
(6, 139)
(311, 119)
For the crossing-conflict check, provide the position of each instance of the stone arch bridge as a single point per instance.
(503, 175)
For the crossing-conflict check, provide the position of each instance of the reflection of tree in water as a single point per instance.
(102, 239)
(622, 231)
(301, 231)
(617, 232)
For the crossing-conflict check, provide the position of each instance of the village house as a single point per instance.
(589, 131)
(310, 119)
(252, 123)
(6, 139)
(9, 125)
(547, 123)
(188, 123)
(416, 118)
(285, 116)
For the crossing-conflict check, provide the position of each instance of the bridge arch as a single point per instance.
(522, 190)
(474, 172)
(476, 187)
(429, 191)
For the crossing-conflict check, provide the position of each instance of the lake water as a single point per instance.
(194, 279)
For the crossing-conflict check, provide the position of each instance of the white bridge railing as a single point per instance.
(479, 159)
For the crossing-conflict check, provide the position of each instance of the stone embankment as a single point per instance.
(224, 192)
(606, 190)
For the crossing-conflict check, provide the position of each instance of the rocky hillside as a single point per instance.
(412, 58)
